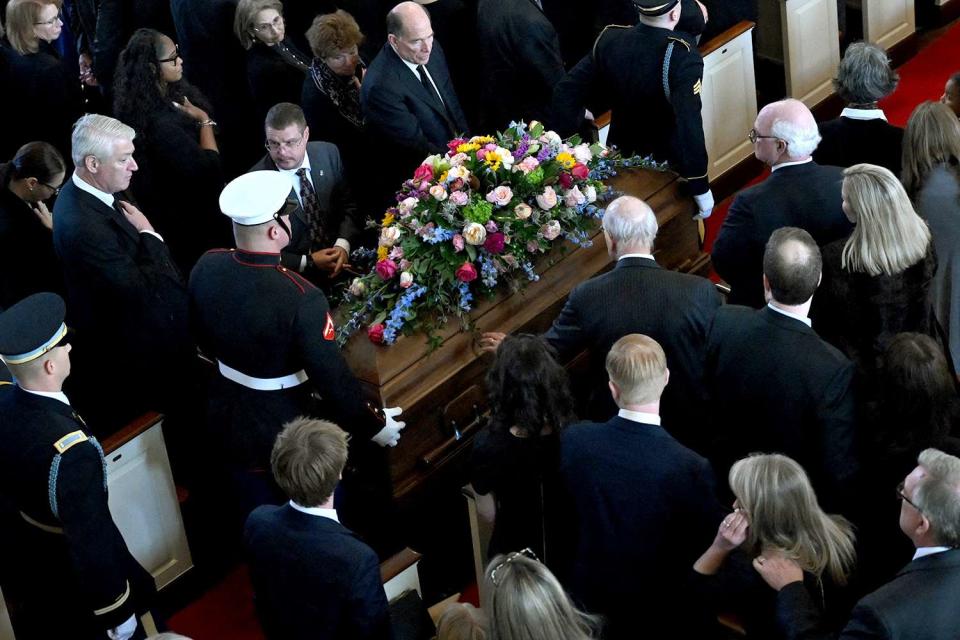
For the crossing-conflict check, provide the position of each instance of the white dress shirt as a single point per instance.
(316, 511)
(804, 319)
(105, 198)
(636, 255)
(789, 164)
(56, 395)
(863, 114)
(639, 416)
(928, 551)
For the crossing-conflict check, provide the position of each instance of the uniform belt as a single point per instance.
(39, 525)
(263, 384)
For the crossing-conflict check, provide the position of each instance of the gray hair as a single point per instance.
(864, 74)
(94, 135)
(937, 495)
(630, 221)
(801, 141)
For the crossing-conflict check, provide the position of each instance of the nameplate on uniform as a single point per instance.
(67, 441)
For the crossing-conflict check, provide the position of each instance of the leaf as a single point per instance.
(471, 252)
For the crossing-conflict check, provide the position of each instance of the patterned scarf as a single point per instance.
(342, 91)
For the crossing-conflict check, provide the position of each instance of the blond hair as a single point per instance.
(637, 365)
(784, 515)
(938, 495)
(932, 137)
(22, 16)
(889, 235)
(246, 13)
(462, 621)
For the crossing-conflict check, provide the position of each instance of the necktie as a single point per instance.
(432, 90)
(308, 197)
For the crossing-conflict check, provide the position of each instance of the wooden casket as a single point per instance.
(442, 392)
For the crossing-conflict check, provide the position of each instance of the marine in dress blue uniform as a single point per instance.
(67, 571)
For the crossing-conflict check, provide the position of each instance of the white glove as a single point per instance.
(125, 630)
(389, 436)
(704, 205)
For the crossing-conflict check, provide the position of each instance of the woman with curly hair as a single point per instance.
(176, 148)
(776, 517)
(48, 96)
(515, 458)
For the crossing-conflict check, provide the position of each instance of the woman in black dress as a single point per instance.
(515, 458)
(179, 179)
(44, 94)
(275, 66)
(28, 263)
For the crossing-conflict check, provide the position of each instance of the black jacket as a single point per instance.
(271, 78)
(848, 141)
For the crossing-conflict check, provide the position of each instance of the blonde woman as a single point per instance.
(931, 175)
(524, 601)
(776, 516)
(875, 282)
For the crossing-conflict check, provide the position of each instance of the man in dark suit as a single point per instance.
(798, 193)
(920, 602)
(862, 134)
(675, 309)
(326, 224)
(312, 577)
(407, 95)
(128, 302)
(650, 77)
(68, 572)
(642, 504)
(774, 385)
(520, 56)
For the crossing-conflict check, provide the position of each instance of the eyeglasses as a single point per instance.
(56, 190)
(753, 136)
(173, 58)
(525, 553)
(275, 145)
(902, 496)
(274, 25)
(52, 21)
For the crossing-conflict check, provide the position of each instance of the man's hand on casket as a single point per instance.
(490, 341)
(389, 436)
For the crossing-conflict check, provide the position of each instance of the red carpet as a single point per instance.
(921, 78)
(225, 612)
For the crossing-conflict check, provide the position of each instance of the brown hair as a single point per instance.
(39, 160)
(284, 114)
(333, 32)
(307, 459)
(22, 16)
(246, 13)
(932, 137)
(792, 264)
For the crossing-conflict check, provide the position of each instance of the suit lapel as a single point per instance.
(416, 88)
(112, 214)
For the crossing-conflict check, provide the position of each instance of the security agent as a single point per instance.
(650, 78)
(71, 574)
(273, 339)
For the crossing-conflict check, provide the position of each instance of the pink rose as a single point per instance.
(491, 226)
(404, 265)
(547, 199)
(527, 165)
(580, 171)
(406, 279)
(574, 198)
(501, 196)
(396, 253)
(457, 242)
(466, 272)
(494, 243)
(459, 198)
(375, 333)
(386, 269)
(533, 246)
(550, 231)
(456, 142)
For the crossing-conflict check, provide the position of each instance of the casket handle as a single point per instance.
(453, 442)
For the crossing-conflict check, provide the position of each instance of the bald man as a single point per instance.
(798, 193)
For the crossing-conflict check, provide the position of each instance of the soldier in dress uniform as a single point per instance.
(273, 339)
(650, 78)
(67, 570)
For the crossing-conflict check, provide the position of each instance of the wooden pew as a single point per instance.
(886, 22)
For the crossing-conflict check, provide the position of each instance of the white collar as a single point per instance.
(928, 551)
(636, 255)
(796, 316)
(316, 511)
(863, 114)
(410, 65)
(102, 196)
(56, 395)
(789, 164)
(303, 165)
(639, 416)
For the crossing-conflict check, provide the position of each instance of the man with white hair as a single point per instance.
(798, 193)
(639, 296)
(920, 602)
(127, 300)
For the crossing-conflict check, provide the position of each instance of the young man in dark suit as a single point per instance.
(327, 224)
(127, 300)
(312, 577)
(641, 503)
(774, 384)
(920, 602)
(798, 193)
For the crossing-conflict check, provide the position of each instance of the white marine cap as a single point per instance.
(254, 197)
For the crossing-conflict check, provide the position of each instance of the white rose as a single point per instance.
(407, 206)
(389, 236)
(582, 153)
(591, 193)
(458, 172)
(438, 192)
(406, 279)
(551, 230)
(523, 211)
(551, 138)
(547, 199)
(574, 197)
(357, 288)
(458, 160)
(501, 196)
(474, 233)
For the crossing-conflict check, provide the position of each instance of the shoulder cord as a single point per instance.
(666, 70)
(55, 472)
